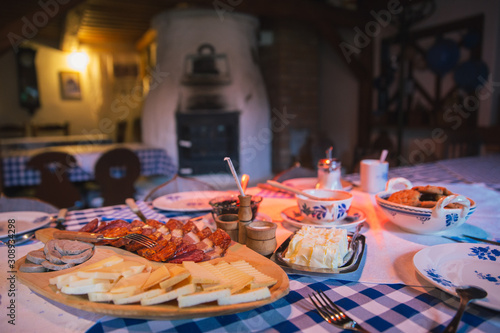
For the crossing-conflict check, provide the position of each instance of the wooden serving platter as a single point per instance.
(39, 282)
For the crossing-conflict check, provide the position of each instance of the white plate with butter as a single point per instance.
(354, 217)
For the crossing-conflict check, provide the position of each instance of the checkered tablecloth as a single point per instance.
(378, 307)
(154, 161)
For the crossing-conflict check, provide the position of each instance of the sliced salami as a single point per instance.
(32, 268)
(78, 258)
(56, 267)
(70, 247)
(51, 253)
(36, 257)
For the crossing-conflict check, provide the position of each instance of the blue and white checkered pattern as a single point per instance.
(384, 307)
(154, 161)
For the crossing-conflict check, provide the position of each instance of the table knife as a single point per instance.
(482, 240)
(133, 206)
(61, 218)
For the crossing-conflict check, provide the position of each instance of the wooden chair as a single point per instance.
(296, 171)
(116, 172)
(25, 204)
(178, 184)
(121, 131)
(50, 129)
(55, 187)
(137, 130)
(13, 131)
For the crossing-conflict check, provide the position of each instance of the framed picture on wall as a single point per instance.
(70, 85)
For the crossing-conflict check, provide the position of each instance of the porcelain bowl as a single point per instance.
(420, 220)
(324, 211)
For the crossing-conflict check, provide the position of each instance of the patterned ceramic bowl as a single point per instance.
(324, 211)
(420, 220)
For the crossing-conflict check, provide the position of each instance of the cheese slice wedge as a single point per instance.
(239, 279)
(106, 296)
(85, 282)
(177, 274)
(80, 290)
(201, 297)
(110, 261)
(61, 280)
(248, 296)
(199, 273)
(157, 276)
(224, 281)
(137, 297)
(169, 295)
(260, 279)
(130, 284)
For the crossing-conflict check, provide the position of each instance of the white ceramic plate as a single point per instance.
(354, 217)
(194, 201)
(448, 266)
(25, 221)
(310, 182)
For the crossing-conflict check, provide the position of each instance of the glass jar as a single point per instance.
(329, 174)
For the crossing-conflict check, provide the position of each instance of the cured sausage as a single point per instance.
(176, 241)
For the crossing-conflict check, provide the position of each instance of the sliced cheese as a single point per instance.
(177, 274)
(170, 295)
(60, 279)
(199, 273)
(85, 282)
(201, 297)
(106, 296)
(99, 287)
(224, 281)
(156, 277)
(260, 279)
(138, 297)
(249, 296)
(99, 275)
(239, 279)
(131, 283)
(110, 261)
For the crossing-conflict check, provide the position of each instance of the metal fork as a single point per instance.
(332, 313)
(93, 238)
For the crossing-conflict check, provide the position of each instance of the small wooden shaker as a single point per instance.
(244, 217)
(261, 237)
(228, 223)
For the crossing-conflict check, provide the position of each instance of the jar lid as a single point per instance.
(326, 163)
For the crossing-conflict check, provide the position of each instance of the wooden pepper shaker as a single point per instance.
(244, 217)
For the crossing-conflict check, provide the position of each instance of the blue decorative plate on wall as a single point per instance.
(448, 266)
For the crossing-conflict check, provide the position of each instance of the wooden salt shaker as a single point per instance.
(244, 217)
(261, 237)
(228, 223)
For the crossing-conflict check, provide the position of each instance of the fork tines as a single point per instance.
(332, 313)
(141, 239)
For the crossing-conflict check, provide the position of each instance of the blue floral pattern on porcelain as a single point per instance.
(317, 212)
(484, 253)
(431, 273)
(342, 210)
(488, 277)
(451, 219)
